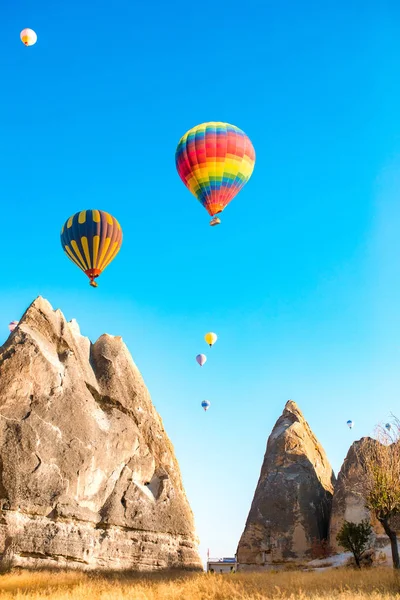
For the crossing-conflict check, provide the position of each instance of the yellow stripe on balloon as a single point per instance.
(103, 252)
(82, 217)
(247, 167)
(233, 163)
(78, 253)
(113, 253)
(72, 257)
(96, 242)
(69, 224)
(96, 216)
(220, 169)
(62, 230)
(107, 255)
(85, 246)
(191, 180)
(109, 218)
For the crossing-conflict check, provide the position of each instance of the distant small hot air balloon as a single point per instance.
(388, 426)
(201, 359)
(215, 160)
(211, 338)
(91, 239)
(12, 325)
(350, 424)
(205, 404)
(28, 37)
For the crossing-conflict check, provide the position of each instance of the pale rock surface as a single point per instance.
(88, 476)
(348, 503)
(292, 501)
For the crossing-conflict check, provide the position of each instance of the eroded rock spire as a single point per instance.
(88, 476)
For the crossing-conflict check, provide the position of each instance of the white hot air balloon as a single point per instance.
(201, 359)
(388, 426)
(350, 424)
(12, 325)
(28, 37)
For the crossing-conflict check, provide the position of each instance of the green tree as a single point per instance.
(355, 537)
(380, 488)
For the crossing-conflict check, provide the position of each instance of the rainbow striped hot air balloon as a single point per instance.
(91, 239)
(215, 160)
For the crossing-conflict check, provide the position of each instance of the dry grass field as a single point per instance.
(346, 584)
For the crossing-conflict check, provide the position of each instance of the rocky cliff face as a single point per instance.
(348, 504)
(292, 501)
(88, 476)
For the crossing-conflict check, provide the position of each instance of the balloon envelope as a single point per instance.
(28, 37)
(201, 359)
(205, 404)
(215, 160)
(12, 325)
(211, 338)
(91, 239)
(350, 424)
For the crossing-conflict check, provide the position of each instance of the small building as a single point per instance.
(221, 565)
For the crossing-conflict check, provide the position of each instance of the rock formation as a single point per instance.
(348, 503)
(292, 501)
(88, 476)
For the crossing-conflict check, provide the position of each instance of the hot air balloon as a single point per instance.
(12, 325)
(388, 426)
(211, 338)
(205, 404)
(350, 424)
(28, 37)
(91, 239)
(215, 160)
(201, 359)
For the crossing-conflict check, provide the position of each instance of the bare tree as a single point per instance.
(380, 488)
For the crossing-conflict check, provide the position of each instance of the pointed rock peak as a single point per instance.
(40, 306)
(40, 303)
(292, 501)
(348, 503)
(291, 407)
(291, 414)
(85, 463)
(40, 318)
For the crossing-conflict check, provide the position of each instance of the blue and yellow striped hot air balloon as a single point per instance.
(91, 239)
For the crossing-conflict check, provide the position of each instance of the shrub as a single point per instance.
(355, 537)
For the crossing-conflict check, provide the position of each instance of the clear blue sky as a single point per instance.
(302, 279)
